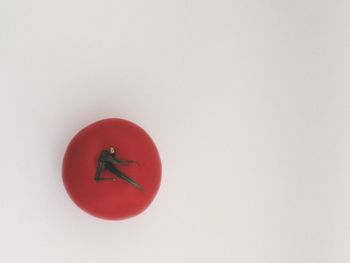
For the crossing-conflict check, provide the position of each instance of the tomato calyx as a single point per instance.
(108, 161)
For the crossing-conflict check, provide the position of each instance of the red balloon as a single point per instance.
(112, 199)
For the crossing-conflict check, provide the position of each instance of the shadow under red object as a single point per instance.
(112, 199)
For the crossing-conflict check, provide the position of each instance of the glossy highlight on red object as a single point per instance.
(112, 200)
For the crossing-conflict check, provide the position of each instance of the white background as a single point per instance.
(248, 102)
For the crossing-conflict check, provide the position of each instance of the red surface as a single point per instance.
(108, 199)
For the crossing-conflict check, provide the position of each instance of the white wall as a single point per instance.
(248, 102)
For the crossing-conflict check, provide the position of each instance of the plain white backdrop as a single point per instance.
(247, 101)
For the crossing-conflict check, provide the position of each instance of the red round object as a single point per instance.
(112, 199)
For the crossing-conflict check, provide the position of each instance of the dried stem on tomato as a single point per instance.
(108, 161)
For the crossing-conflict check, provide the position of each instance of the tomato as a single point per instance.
(109, 199)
